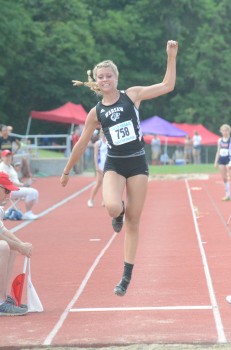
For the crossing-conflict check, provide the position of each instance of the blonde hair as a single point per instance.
(106, 64)
(91, 84)
(225, 126)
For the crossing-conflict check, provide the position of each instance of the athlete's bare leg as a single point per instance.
(136, 194)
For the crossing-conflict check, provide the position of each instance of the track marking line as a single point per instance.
(64, 315)
(216, 312)
(147, 308)
(53, 207)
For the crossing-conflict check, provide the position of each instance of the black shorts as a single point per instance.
(127, 167)
(223, 160)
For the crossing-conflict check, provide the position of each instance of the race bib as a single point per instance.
(122, 133)
(224, 152)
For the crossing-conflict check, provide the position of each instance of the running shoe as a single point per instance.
(8, 309)
(90, 203)
(117, 223)
(226, 199)
(122, 286)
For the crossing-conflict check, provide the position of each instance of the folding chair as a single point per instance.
(14, 202)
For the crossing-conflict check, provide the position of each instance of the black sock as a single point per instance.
(128, 270)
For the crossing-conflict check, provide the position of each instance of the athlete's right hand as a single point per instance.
(64, 179)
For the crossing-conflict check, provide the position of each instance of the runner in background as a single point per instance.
(222, 158)
(100, 155)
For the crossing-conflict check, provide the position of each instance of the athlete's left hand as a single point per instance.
(172, 48)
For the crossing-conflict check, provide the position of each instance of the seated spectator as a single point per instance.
(9, 245)
(30, 195)
(178, 156)
(18, 166)
(14, 145)
(164, 159)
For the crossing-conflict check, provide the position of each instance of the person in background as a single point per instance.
(223, 158)
(187, 150)
(75, 137)
(178, 156)
(100, 155)
(7, 140)
(156, 150)
(165, 159)
(9, 245)
(10, 129)
(197, 141)
(14, 145)
(28, 194)
(126, 166)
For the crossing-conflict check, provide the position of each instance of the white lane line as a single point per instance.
(216, 312)
(148, 308)
(64, 315)
(53, 207)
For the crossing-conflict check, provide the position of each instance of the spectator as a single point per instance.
(197, 140)
(164, 159)
(30, 195)
(178, 156)
(156, 150)
(7, 140)
(10, 128)
(9, 245)
(187, 150)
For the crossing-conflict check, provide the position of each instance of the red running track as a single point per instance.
(180, 280)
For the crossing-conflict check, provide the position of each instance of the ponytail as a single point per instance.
(91, 84)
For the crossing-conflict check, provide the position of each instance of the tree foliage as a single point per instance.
(47, 43)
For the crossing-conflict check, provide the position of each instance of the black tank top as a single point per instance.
(121, 126)
(224, 149)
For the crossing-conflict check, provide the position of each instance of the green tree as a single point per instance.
(47, 43)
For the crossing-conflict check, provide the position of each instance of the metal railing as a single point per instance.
(33, 143)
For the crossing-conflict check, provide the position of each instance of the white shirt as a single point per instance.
(12, 173)
(197, 140)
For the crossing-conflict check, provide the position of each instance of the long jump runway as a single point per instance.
(181, 277)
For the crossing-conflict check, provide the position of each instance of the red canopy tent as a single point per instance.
(69, 113)
(208, 138)
(170, 139)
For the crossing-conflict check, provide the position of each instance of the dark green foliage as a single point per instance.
(47, 43)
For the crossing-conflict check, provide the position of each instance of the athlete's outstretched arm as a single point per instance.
(139, 93)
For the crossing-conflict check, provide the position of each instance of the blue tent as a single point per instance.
(160, 126)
